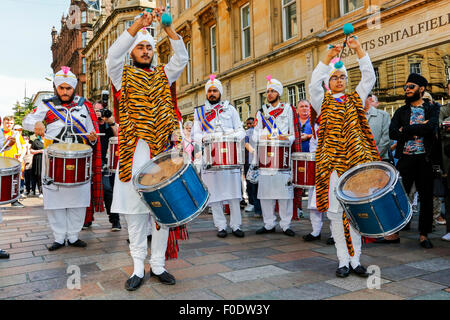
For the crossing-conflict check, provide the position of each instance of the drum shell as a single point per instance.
(303, 169)
(10, 182)
(382, 215)
(68, 167)
(274, 155)
(113, 154)
(224, 153)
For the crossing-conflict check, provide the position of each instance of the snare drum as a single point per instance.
(274, 155)
(68, 164)
(172, 189)
(112, 154)
(304, 169)
(9, 180)
(374, 199)
(224, 153)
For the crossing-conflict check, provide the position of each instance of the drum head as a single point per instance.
(8, 163)
(64, 147)
(366, 181)
(161, 170)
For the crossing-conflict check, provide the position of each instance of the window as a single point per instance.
(187, 4)
(83, 89)
(83, 16)
(245, 31)
(347, 6)
(415, 68)
(188, 67)
(289, 19)
(243, 107)
(99, 80)
(213, 48)
(83, 39)
(296, 93)
(377, 77)
(83, 62)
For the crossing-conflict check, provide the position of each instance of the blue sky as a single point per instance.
(25, 56)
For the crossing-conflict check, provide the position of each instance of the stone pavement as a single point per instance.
(271, 266)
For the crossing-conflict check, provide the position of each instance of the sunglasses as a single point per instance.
(342, 78)
(409, 86)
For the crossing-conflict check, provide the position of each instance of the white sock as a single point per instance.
(138, 268)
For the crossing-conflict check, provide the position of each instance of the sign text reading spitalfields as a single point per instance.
(402, 34)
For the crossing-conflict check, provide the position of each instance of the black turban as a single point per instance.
(417, 79)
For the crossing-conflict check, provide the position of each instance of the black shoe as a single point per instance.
(56, 246)
(359, 271)
(310, 237)
(330, 241)
(222, 233)
(426, 244)
(79, 243)
(134, 283)
(264, 230)
(289, 232)
(87, 225)
(383, 240)
(243, 204)
(239, 233)
(342, 272)
(165, 277)
(4, 254)
(17, 204)
(116, 226)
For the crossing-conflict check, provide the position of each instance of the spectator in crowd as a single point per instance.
(37, 149)
(188, 145)
(16, 150)
(28, 162)
(379, 121)
(413, 126)
(254, 203)
(444, 122)
(303, 109)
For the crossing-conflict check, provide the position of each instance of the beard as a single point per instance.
(414, 97)
(68, 101)
(214, 100)
(274, 99)
(141, 65)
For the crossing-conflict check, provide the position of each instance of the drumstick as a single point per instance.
(49, 137)
(85, 134)
(4, 146)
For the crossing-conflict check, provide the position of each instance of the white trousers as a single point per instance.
(66, 223)
(337, 231)
(285, 208)
(220, 221)
(137, 233)
(316, 218)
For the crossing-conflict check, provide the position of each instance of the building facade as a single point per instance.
(75, 32)
(106, 30)
(243, 41)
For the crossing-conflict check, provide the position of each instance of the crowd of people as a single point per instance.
(343, 129)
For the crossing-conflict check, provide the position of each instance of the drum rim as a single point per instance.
(211, 139)
(141, 187)
(10, 170)
(225, 167)
(273, 143)
(309, 156)
(389, 187)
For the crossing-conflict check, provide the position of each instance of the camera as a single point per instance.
(105, 97)
(106, 113)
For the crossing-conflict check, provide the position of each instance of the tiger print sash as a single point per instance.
(345, 140)
(145, 112)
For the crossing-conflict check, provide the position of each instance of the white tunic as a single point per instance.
(2, 142)
(276, 186)
(59, 197)
(126, 199)
(317, 94)
(225, 184)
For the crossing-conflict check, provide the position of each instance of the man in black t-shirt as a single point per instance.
(110, 129)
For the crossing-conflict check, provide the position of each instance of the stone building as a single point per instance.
(243, 41)
(68, 43)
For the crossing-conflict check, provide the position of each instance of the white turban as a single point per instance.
(214, 83)
(275, 85)
(143, 36)
(333, 70)
(65, 76)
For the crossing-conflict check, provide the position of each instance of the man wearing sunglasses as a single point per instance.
(413, 126)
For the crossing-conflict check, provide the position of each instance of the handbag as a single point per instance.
(252, 174)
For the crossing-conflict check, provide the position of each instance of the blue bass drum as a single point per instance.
(172, 189)
(374, 199)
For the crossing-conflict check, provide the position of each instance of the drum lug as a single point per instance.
(376, 217)
(394, 195)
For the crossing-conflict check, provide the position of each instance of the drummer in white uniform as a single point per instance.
(10, 141)
(215, 119)
(66, 206)
(137, 42)
(278, 185)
